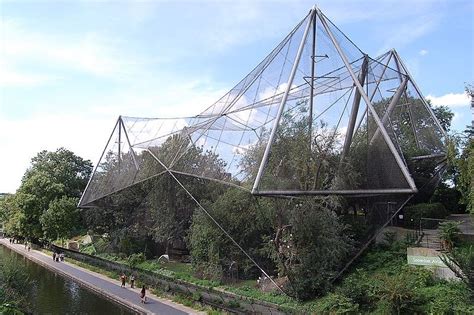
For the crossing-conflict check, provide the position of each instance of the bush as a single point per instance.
(334, 303)
(447, 298)
(135, 259)
(449, 234)
(413, 214)
(246, 220)
(316, 248)
(360, 287)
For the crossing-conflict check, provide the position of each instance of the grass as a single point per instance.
(380, 282)
(178, 298)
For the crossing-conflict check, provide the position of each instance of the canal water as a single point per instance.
(53, 294)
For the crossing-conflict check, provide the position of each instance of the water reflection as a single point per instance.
(53, 294)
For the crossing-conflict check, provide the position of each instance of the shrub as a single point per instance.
(135, 259)
(446, 298)
(448, 233)
(334, 303)
(360, 287)
(413, 214)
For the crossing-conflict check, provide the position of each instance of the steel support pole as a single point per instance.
(410, 113)
(389, 142)
(311, 93)
(282, 104)
(428, 107)
(130, 146)
(373, 93)
(334, 192)
(119, 141)
(391, 106)
(354, 110)
(214, 220)
(98, 163)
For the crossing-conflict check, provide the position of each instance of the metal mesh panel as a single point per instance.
(296, 124)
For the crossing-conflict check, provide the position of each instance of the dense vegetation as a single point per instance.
(15, 287)
(302, 242)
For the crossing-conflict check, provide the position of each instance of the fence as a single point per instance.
(224, 300)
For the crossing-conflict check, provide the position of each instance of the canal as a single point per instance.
(53, 294)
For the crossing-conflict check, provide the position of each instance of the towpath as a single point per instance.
(103, 285)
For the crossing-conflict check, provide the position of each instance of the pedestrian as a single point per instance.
(123, 278)
(29, 246)
(61, 256)
(54, 256)
(142, 294)
(132, 281)
(26, 245)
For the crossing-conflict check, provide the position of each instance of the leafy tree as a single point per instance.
(61, 219)
(247, 219)
(444, 115)
(465, 183)
(461, 262)
(51, 176)
(312, 247)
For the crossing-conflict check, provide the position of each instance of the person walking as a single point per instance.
(132, 281)
(54, 256)
(29, 246)
(123, 278)
(143, 295)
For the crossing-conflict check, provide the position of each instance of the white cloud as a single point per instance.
(85, 128)
(10, 77)
(450, 99)
(89, 53)
(423, 52)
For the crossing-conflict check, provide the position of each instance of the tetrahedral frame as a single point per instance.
(366, 113)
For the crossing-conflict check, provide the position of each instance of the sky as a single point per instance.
(68, 69)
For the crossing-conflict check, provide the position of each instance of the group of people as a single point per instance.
(57, 257)
(17, 241)
(123, 279)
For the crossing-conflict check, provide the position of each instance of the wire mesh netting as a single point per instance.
(296, 124)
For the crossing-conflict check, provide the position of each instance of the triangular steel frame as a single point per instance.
(317, 14)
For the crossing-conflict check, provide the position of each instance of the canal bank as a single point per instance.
(102, 285)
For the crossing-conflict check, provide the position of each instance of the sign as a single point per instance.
(426, 261)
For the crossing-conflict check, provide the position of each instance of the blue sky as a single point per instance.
(68, 69)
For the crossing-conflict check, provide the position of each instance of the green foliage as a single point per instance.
(334, 303)
(449, 234)
(53, 180)
(446, 298)
(15, 287)
(313, 247)
(450, 197)
(461, 262)
(135, 259)
(245, 218)
(465, 182)
(61, 219)
(414, 213)
(445, 116)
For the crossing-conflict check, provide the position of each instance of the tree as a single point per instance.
(247, 219)
(465, 182)
(61, 219)
(444, 114)
(51, 176)
(312, 247)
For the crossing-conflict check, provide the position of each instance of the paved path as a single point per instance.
(103, 285)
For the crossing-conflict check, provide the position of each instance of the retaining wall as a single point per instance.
(224, 300)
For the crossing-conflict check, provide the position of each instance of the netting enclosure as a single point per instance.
(316, 117)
